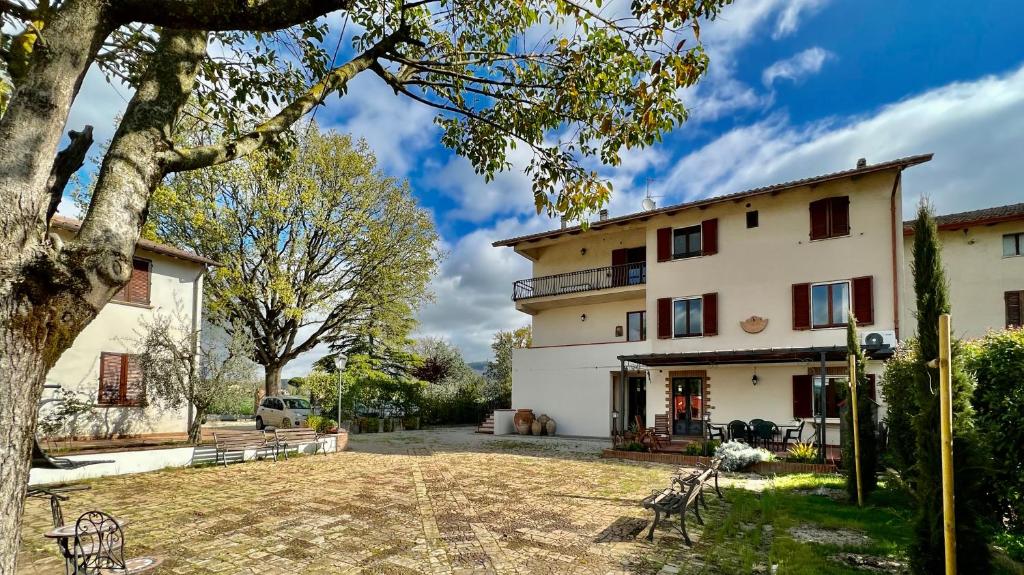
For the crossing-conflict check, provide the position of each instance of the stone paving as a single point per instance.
(437, 502)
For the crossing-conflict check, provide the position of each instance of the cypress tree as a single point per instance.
(927, 551)
(865, 423)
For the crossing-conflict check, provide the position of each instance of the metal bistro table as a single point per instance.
(65, 535)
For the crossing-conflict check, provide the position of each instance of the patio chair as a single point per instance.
(794, 433)
(713, 431)
(765, 433)
(662, 431)
(98, 548)
(738, 430)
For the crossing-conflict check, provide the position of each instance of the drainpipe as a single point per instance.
(197, 312)
(897, 244)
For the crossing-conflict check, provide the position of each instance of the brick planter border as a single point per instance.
(764, 468)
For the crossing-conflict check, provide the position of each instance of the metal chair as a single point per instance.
(765, 432)
(738, 430)
(98, 544)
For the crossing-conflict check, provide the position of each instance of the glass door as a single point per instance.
(637, 400)
(687, 406)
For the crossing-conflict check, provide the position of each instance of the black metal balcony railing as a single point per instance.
(581, 281)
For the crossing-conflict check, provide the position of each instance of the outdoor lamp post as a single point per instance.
(339, 361)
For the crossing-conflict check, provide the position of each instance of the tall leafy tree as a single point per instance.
(315, 251)
(499, 371)
(865, 422)
(927, 552)
(566, 80)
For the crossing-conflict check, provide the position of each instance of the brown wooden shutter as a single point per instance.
(620, 257)
(1014, 308)
(110, 379)
(664, 244)
(839, 216)
(134, 388)
(819, 219)
(831, 399)
(664, 318)
(138, 285)
(871, 387)
(710, 311)
(801, 306)
(709, 237)
(863, 300)
(802, 390)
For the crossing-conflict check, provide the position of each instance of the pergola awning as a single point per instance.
(746, 356)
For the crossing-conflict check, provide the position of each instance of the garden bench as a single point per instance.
(231, 440)
(685, 492)
(285, 439)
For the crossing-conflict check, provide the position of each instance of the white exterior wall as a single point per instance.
(175, 289)
(978, 276)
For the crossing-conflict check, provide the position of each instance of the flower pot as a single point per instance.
(522, 421)
(549, 427)
(536, 427)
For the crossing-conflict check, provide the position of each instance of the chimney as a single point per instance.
(604, 214)
(564, 222)
(861, 162)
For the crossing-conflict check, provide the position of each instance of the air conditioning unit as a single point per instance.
(878, 338)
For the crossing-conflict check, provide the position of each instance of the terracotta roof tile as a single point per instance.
(73, 225)
(994, 215)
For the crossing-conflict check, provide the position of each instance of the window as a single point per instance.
(830, 304)
(137, 289)
(687, 317)
(1013, 245)
(686, 242)
(831, 401)
(830, 218)
(294, 403)
(752, 219)
(636, 326)
(120, 381)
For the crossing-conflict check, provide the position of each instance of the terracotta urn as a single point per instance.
(550, 426)
(522, 420)
(536, 427)
(543, 419)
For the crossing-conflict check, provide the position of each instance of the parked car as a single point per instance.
(282, 411)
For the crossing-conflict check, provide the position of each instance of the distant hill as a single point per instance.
(477, 366)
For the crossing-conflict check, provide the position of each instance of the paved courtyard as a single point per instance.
(446, 501)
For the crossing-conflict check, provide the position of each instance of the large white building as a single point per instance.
(732, 308)
(100, 366)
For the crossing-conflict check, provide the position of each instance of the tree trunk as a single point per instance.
(272, 379)
(195, 429)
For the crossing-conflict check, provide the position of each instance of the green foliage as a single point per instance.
(701, 448)
(927, 551)
(1013, 543)
(411, 422)
(320, 423)
(997, 361)
(631, 446)
(865, 421)
(499, 371)
(369, 424)
(803, 453)
(901, 408)
(60, 420)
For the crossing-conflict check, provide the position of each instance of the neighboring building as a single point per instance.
(721, 309)
(100, 367)
(983, 253)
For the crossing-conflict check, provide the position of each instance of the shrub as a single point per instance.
(320, 424)
(369, 424)
(865, 421)
(997, 361)
(1013, 543)
(411, 422)
(803, 453)
(632, 446)
(737, 455)
(901, 402)
(701, 448)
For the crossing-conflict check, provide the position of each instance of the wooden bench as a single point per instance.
(285, 439)
(233, 440)
(686, 491)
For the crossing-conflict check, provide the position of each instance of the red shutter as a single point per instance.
(871, 387)
(134, 390)
(619, 274)
(138, 285)
(863, 300)
(710, 310)
(840, 216)
(664, 244)
(1014, 308)
(801, 306)
(664, 318)
(709, 236)
(802, 391)
(110, 379)
(819, 219)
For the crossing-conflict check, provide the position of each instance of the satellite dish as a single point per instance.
(648, 204)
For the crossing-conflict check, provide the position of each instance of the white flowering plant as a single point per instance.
(737, 455)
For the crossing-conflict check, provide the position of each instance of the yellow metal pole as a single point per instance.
(856, 426)
(946, 435)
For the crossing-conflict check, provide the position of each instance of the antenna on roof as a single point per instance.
(648, 203)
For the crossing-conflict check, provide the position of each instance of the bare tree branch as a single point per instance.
(67, 163)
(216, 15)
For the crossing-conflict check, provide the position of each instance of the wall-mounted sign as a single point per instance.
(754, 324)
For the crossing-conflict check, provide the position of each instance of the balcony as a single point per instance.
(613, 283)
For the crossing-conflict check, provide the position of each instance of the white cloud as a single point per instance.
(796, 67)
(789, 19)
(969, 125)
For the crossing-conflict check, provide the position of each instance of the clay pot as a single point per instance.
(522, 420)
(536, 427)
(550, 426)
(543, 419)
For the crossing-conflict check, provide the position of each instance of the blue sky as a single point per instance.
(796, 88)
